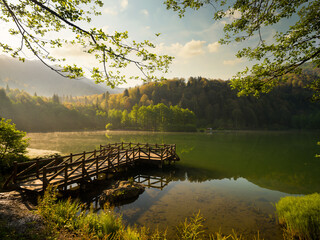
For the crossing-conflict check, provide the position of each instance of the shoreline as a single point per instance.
(39, 153)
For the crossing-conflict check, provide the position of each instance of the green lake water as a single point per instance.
(232, 178)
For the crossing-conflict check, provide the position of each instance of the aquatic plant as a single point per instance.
(300, 216)
(191, 228)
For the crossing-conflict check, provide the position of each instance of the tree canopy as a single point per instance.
(285, 53)
(12, 143)
(35, 20)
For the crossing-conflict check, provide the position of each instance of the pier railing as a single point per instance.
(86, 166)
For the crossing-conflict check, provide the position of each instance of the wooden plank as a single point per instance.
(68, 170)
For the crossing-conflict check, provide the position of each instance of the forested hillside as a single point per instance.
(216, 105)
(40, 114)
(172, 105)
(33, 113)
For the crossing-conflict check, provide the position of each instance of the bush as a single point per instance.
(12, 144)
(300, 216)
(71, 215)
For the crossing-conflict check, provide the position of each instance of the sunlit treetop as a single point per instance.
(287, 51)
(38, 23)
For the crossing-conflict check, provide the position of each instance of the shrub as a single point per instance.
(12, 143)
(72, 216)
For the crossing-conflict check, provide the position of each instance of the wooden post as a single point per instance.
(139, 151)
(108, 160)
(97, 168)
(118, 155)
(55, 163)
(122, 145)
(83, 168)
(126, 157)
(71, 157)
(149, 153)
(44, 178)
(37, 168)
(161, 157)
(15, 171)
(65, 176)
(133, 154)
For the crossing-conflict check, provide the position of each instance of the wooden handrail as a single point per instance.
(61, 170)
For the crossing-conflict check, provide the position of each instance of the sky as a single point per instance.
(192, 40)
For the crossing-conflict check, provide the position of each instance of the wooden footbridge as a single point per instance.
(63, 171)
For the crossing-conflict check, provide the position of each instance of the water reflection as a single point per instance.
(152, 181)
(233, 178)
(225, 203)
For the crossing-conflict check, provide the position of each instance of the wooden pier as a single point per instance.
(63, 171)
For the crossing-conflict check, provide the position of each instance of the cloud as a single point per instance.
(124, 4)
(70, 50)
(105, 28)
(213, 47)
(190, 49)
(145, 12)
(232, 62)
(110, 11)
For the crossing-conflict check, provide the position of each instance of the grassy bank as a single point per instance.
(300, 216)
(73, 221)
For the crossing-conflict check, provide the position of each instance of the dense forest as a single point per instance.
(172, 105)
(34, 113)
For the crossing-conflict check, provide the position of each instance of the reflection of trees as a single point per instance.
(179, 173)
(275, 160)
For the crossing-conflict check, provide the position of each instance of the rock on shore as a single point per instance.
(121, 191)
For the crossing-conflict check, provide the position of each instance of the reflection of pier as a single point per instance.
(152, 181)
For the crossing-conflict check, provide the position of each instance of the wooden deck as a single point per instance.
(87, 166)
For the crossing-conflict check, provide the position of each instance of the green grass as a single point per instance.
(72, 216)
(300, 216)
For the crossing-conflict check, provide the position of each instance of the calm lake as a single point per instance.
(232, 178)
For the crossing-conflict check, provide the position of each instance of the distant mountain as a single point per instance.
(34, 77)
